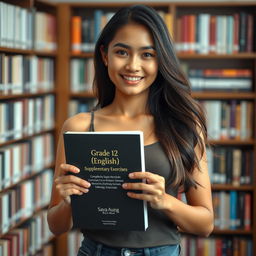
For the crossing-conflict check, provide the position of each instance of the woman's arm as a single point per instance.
(194, 217)
(197, 215)
(59, 214)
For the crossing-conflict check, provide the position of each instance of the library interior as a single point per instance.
(46, 76)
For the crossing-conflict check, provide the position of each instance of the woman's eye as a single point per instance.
(148, 55)
(121, 52)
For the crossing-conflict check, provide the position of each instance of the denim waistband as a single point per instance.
(92, 248)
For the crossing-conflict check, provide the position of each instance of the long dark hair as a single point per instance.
(179, 121)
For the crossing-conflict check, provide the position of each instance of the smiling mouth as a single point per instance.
(133, 79)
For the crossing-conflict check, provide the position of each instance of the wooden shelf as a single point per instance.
(36, 108)
(214, 4)
(28, 52)
(82, 95)
(25, 95)
(224, 95)
(23, 220)
(232, 232)
(26, 137)
(217, 56)
(82, 55)
(32, 175)
(45, 3)
(112, 4)
(228, 187)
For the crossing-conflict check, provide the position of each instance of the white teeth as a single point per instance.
(132, 78)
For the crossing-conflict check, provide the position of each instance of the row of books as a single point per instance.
(30, 239)
(20, 202)
(229, 119)
(82, 74)
(22, 159)
(45, 31)
(80, 105)
(27, 29)
(232, 210)
(25, 117)
(225, 119)
(230, 165)
(222, 34)
(221, 79)
(85, 30)
(25, 74)
(216, 246)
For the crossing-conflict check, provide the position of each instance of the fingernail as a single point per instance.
(77, 170)
(124, 185)
(86, 184)
(131, 175)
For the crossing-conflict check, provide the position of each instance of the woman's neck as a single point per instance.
(130, 106)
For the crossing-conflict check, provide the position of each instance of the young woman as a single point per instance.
(140, 86)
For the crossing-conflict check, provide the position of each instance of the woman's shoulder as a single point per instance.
(79, 122)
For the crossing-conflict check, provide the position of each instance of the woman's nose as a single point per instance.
(133, 64)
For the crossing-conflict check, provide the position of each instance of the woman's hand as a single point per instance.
(68, 184)
(153, 189)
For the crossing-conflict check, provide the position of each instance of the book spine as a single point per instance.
(76, 37)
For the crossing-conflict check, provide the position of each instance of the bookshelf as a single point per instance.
(28, 128)
(55, 93)
(209, 52)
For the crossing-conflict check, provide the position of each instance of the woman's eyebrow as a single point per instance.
(149, 47)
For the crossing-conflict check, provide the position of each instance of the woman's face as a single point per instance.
(131, 60)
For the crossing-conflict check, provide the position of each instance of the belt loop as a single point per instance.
(146, 252)
(98, 250)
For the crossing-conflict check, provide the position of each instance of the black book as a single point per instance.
(105, 159)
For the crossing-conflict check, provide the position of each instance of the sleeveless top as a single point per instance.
(161, 230)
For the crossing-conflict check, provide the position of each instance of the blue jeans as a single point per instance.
(92, 248)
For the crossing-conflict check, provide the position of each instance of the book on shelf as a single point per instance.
(105, 159)
(234, 80)
(229, 119)
(25, 74)
(26, 240)
(80, 105)
(82, 73)
(27, 28)
(232, 210)
(230, 165)
(20, 202)
(206, 33)
(85, 31)
(219, 245)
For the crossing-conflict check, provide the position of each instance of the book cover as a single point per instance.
(105, 159)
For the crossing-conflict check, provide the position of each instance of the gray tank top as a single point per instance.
(161, 230)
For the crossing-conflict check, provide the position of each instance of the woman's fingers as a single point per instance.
(72, 179)
(154, 183)
(68, 184)
(148, 176)
(69, 168)
(153, 190)
(70, 189)
(146, 188)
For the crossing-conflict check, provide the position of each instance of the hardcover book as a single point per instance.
(105, 159)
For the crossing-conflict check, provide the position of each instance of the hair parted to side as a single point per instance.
(179, 121)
